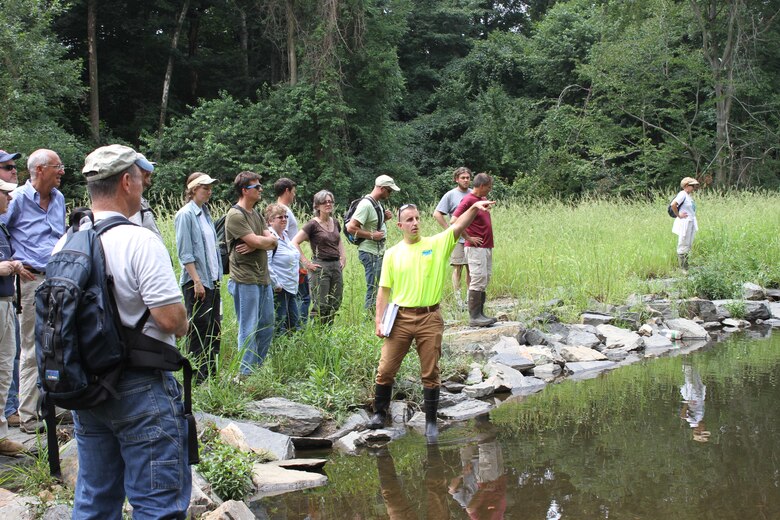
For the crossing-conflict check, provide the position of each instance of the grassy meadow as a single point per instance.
(596, 250)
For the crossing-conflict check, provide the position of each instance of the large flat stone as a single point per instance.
(581, 338)
(617, 338)
(543, 355)
(503, 378)
(465, 410)
(458, 339)
(483, 389)
(252, 437)
(575, 353)
(295, 419)
(509, 352)
(688, 328)
(589, 366)
(230, 510)
(596, 318)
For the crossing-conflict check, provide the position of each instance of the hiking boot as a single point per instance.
(431, 396)
(476, 319)
(13, 420)
(11, 448)
(381, 404)
(32, 427)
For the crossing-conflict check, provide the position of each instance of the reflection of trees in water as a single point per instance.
(636, 461)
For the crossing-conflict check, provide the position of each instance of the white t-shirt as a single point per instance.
(142, 271)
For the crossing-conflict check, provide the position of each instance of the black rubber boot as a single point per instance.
(381, 403)
(482, 309)
(476, 319)
(431, 396)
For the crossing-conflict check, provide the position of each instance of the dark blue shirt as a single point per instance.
(6, 253)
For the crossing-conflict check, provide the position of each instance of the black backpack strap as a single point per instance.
(380, 213)
(49, 416)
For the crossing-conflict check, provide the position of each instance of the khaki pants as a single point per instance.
(426, 330)
(7, 354)
(480, 260)
(28, 367)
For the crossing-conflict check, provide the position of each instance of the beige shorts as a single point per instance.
(480, 267)
(458, 256)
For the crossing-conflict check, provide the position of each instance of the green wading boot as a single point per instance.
(482, 309)
(381, 404)
(476, 319)
(431, 396)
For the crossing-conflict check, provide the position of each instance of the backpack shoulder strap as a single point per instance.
(380, 213)
(111, 222)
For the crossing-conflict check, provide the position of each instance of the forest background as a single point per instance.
(560, 99)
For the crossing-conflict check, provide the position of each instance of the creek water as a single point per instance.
(693, 436)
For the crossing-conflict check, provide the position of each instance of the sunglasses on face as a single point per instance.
(252, 186)
(8, 167)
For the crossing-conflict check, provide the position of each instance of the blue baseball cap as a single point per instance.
(143, 163)
(7, 156)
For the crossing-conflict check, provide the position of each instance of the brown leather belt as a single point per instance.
(421, 310)
(33, 270)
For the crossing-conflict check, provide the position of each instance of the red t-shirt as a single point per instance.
(482, 226)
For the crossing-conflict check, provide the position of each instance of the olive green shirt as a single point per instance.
(251, 268)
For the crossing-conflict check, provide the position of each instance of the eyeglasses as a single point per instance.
(405, 207)
(56, 166)
(8, 167)
(253, 186)
(328, 202)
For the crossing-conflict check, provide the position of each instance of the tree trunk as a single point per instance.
(719, 40)
(244, 36)
(169, 69)
(292, 61)
(94, 98)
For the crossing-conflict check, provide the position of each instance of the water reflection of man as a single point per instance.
(398, 505)
(694, 392)
(481, 490)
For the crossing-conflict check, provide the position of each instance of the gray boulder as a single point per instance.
(582, 338)
(576, 354)
(773, 294)
(617, 338)
(449, 399)
(543, 355)
(774, 309)
(354, 422)
(230, 510)
(548, 371)
(250, 437)
(751, 291)
(584, 367)
(704, 309)
(295, 418)
(509, 352)
(483, 389)
(596, 318)
(688, 328)
(399, 413)
(503, 378)
(466, 410)
(475, 374)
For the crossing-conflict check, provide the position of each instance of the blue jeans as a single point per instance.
(304, 300)
(12, 403)
(286, 305)
(134, 446)
(373, 266)
(255, 315)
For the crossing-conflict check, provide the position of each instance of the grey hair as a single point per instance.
(319, 198)
(37, 158)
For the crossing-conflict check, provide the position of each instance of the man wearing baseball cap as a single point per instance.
(8, 166)
(8, 269)
(369, 224)
(134, 445)
(145, 216)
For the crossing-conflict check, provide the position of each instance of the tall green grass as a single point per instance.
(596, 250)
